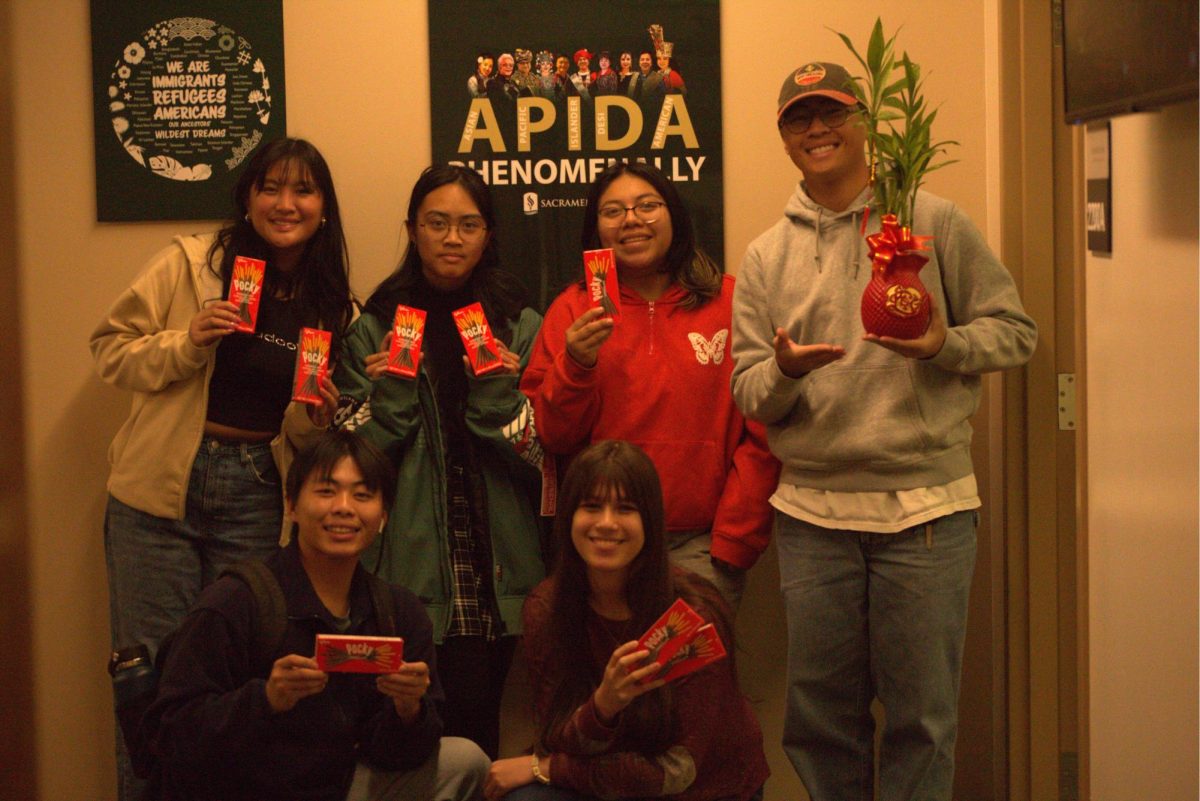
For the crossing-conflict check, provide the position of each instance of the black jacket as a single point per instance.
(219, 739)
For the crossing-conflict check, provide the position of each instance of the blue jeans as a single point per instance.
(875, 615)
(157, 566)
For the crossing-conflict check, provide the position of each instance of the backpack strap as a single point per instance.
(384, 603)
(270, 609)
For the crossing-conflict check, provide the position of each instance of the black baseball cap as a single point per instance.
(816, 79)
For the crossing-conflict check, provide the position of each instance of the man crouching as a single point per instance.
(284, 729)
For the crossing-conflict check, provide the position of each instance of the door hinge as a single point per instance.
(1066, 401)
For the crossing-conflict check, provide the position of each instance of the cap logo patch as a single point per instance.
(809, 74)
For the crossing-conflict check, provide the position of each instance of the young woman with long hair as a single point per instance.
(463, 533)
(607, 728)
(658, 375)
(196, 469)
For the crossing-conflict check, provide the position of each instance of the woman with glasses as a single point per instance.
(463, 531)
(657, 374)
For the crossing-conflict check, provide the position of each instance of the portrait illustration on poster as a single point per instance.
(184, 92)
(540, 97)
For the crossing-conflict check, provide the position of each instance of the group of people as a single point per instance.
(705, 412)
(510, 76)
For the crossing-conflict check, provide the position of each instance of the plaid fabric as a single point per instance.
(473, 610)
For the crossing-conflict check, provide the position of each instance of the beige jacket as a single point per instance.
(142, 345)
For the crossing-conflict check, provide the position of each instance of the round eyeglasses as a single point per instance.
(798, 122)
(647, 211)
(469, 228)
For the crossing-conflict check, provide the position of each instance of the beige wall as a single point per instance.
(357, 86)
(1142, 433)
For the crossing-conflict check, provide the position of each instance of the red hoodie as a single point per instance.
(662, 382)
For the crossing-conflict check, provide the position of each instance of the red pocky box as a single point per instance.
(408, 329)
(312, 365)
(703, 649)
(347, 653)
(245, 291)
(600, 276)
(670, 633)
(477, 339)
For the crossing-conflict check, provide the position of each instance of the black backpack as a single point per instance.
(136, 691)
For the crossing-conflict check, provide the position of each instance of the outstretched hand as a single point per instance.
(796, 360)
(924, 346)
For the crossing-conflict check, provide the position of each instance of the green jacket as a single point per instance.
(400, 416)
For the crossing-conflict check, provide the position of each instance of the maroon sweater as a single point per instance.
(719, 754)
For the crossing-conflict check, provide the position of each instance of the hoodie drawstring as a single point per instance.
(818, 256)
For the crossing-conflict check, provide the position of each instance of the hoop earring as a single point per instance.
(247, 217)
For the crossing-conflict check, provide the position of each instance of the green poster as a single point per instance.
(510, 99)
(183, 92)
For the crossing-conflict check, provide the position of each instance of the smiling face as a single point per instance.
(645, 62)
(605, 63)
(626, 63)
(562, 64)
(639, 247)
(664, 63)
(448, 259)
(582, 63)
(337, 517)
(607, 533)
(286, 211)
(485, 67)
(524, 67)
(827, 156)
(506, 65)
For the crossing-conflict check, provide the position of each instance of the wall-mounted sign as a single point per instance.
(539, 96)
(183, 91)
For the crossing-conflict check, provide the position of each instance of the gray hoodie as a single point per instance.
(874, 420)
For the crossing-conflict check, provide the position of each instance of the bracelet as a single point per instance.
(542, 778)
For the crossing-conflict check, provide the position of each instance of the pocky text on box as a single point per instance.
(477, 339)
(408, 329)
(312, 365)
(245, 291)
(600, 277)
(348, 653)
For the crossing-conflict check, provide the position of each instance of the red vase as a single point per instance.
(895, 302)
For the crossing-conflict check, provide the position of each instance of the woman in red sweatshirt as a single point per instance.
(657, 374)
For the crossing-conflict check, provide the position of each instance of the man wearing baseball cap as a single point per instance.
(877, 501)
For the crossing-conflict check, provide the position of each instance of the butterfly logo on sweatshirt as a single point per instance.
(709, 350)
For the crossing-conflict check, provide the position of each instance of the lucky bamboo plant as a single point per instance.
(891, 92)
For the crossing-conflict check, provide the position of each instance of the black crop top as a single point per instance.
(251, 383)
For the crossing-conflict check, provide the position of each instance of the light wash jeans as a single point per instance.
(456, 771)
(875, 615)
(157, 566)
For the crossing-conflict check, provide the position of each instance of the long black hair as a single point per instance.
(499, 292)
(320, 282)
(688, 265)
(602, 468)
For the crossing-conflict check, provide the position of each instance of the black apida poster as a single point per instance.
(538, 96)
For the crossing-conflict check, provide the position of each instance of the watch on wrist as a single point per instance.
(542, 778)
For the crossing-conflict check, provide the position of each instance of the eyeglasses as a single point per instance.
(800, 121)
(648, 211)
(469, 228)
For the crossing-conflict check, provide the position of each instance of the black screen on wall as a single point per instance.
(1121, 56)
